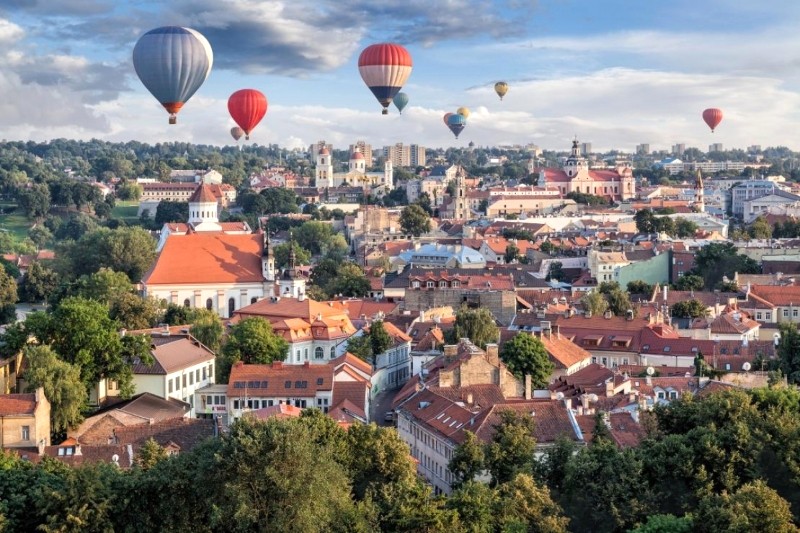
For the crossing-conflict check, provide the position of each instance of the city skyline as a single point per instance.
(615, 75)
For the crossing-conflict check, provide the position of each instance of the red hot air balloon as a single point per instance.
(247, 107)
(712, 116)
(446, 117)
(385, 67)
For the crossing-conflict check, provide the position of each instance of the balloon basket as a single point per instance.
(173, 119)
(385, 111)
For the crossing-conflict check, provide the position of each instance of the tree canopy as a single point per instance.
(525, 355)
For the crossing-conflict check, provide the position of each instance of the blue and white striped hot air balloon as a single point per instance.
(172, 62)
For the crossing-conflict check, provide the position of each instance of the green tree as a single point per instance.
(475, 503)
(525, 355)
(34, 201)
(40, 235)
(511, 450)
(253, 342)
(132, 311)
(666, 523)
(378, 457)
(171, 211)
(555, 271)
(81, 333)
(718, 260)
(640, 287)
(753, 507)
(685, 228)
(789, 351)
(477, 325)
(645, 221)
(619, 302)
(689, 309)
(467, 461)
(760, 229)
(379, 339)
(689, 282)
(150, 454)
(131, 250)
(512, 253)
(595, 303)
(208, 329)
(524, 505)
(38, 283)
(178, 315)
(414, 220)
(62, 386)
(280, 200)
(350, 280)
(361, 347)
(302, 256)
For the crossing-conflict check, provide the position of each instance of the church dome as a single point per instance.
(357, 155)
(323, 151)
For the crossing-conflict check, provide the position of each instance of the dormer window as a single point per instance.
(415, 284)
(430, 284)
(443, 284)
(456, 283)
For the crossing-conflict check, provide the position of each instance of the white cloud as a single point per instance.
(10, 32)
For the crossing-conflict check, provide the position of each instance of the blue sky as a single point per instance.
(613, 72)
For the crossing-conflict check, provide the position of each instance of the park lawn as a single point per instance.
(126, 211)
(16, 223)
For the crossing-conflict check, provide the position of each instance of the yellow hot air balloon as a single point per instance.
(501, 88)
(463, 111)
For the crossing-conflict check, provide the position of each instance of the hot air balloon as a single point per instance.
(712, 116)
(384, 67)
(172, 63)
(463, 111)
(237, 133)
(501, 88)
(400, 101)
(456, 123)
(446, 117)
(247, 107)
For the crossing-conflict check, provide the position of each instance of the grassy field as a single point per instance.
(126, 211)
(16, 224)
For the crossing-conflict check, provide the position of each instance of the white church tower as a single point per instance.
(324, 170)
(388, 176)
(203, 208)
(358, 163)
(292, 283)
(268, 260)
(575, 163)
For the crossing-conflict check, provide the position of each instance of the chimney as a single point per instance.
(528, 387)
(130, 454)
(665, 293)
(469, 398)
(450, 351)
(493, 353)
(277, 364)
(306, 364)
(78, 449)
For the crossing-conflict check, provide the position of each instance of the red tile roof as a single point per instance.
(17, 404)
(208, 258)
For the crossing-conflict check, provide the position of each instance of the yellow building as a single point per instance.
(24, 420)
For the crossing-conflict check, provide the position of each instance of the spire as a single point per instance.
(292, 257)
(575, 147)
(698, 183)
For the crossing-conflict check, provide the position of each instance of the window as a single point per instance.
(231, 306)
(191, 378)
(184, 380)
(758, 316)
(253, 300)
(211, 371)
(209, 304)
(794, 313)
(333, 352)
(318, 352)
(305, 354)
(430, 284)
(169, 383)
(415, 285)
(197, 375)
(186, 303)
(297, 356)
(456, 283)
(786, 313)
(26, 433)
(443, 284)
(204, 373)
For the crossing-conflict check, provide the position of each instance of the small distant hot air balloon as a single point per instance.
(501, 88)
(712, 116)
(400, 101)
(237, 133)
(463, 111)
(172, 63)
(456, 123)
(446, 117)
(385, 67)
(247, 107)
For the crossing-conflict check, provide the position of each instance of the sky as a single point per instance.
(615, 73)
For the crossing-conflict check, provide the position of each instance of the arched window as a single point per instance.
(186, 302)
(253, 300)
(209, 304)
(231, 306)
(318, 353)
(333, 352)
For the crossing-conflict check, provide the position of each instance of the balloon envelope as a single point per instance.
(463, 111)
(172, 62)
(385, 67)
(446, 117)
(237, 133)
(712, 116)
(400, 101)
(501, 88)
(247, 107)
(456, 123)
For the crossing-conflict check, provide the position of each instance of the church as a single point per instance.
(218, 266)
(356, 175)
(575, 176)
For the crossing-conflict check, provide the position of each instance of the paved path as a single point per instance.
(382, 403)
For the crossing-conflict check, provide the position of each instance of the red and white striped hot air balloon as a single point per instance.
(385, 67)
